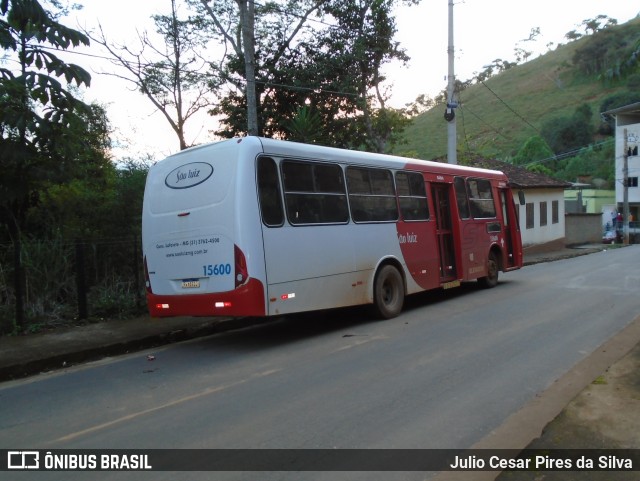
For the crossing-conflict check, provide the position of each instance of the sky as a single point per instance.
(484, 30)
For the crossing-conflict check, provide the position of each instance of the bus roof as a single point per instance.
(285, 148)
(295, 149)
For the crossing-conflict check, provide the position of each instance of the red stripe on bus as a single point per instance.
(247, 300)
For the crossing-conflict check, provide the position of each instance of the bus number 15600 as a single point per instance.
(217, 269)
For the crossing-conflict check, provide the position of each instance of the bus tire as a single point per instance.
(491, 280)
(388, 292)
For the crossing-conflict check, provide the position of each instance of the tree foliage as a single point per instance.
(361, 45)
(608, 122)
(305, 126)
(568, 133)
(595, 161)
(534, 150)
(610, 53)
(172, 75)
(327, 55)
(36, 110)
(599, 22)
(43, 126)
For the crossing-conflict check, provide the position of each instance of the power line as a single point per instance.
(570, 153)
(494, 129)
(155, 65)
(509, 107)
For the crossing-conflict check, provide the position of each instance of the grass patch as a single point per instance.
(599, 380)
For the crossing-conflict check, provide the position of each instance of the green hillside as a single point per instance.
(495, 119)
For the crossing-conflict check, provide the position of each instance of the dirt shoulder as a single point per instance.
(605, 415)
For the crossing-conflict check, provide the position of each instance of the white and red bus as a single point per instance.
(260, 227)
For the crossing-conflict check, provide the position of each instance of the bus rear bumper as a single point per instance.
(247, 300)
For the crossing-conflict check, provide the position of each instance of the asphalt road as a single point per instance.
(444, 374)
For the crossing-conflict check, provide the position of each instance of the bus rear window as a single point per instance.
(371, 195)
(314, 193)
(269, 192)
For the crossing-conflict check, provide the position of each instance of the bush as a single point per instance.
(51, 276)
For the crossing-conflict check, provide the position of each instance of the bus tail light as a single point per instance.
(242, 273)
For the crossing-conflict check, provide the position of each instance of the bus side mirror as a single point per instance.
(521, 198)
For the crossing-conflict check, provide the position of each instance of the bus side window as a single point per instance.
(269, 192)
(481, 198)
(461, 197)
(412, 196)
(371, 195)
(314, 193)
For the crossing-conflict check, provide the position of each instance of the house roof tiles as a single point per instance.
(519, 177)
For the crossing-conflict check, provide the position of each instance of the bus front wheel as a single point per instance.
(388, 294)
(491, 280)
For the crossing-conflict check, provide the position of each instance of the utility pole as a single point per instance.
(450, 113)
(247, 20)
(625, 186)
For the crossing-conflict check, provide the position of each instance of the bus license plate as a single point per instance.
(190, 283)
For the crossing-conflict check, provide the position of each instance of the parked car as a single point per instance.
(610, 237)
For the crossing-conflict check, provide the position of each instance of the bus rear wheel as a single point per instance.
(491, 280)
(388, 293)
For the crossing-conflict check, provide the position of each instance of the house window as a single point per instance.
(633, 182)
(530, 215)
(555, 212)
(543, 214)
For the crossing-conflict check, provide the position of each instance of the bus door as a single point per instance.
(444, 231)
(512, 248)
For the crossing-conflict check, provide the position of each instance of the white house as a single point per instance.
(627, 121)
(542, 218)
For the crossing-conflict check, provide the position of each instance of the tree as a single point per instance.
(611, 54)
(572, 35)
(71, 207)
(594, 161)
(600, 22)
(332, 65)
(568, 133)
(496, 66)
(534, 150)
(249, 63)
(35, 112)
(172, 76)
(305, 126)
(364, 42)
(620, 99)
(420, 105)
(523, 55)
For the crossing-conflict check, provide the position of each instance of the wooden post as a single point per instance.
(81, 282)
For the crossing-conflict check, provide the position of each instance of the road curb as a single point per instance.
(93, 353)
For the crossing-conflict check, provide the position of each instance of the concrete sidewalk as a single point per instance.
(605, 413)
